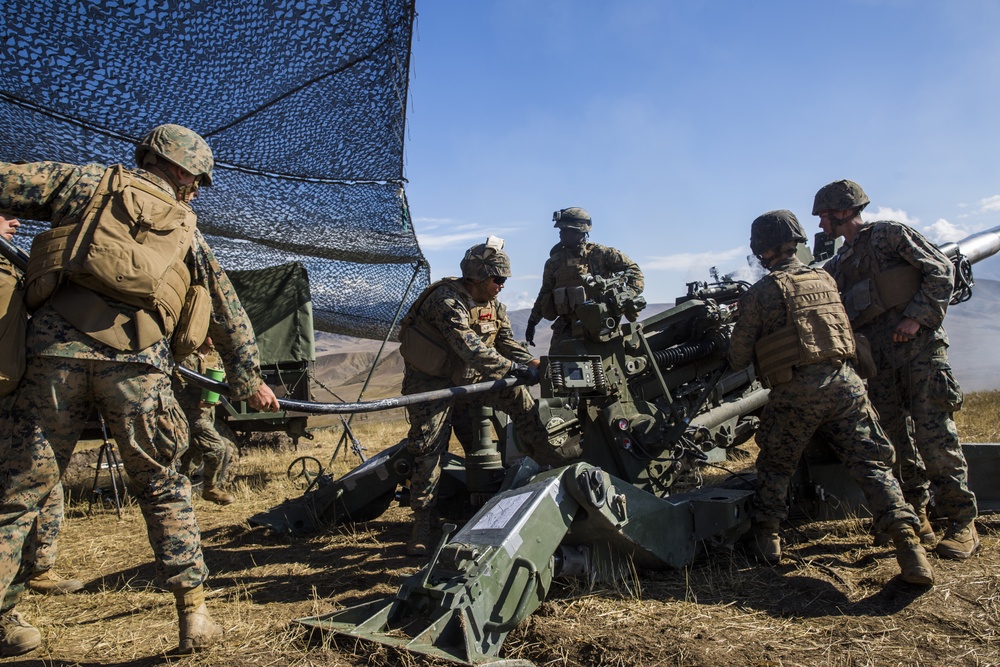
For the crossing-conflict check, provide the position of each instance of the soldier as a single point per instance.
(42, 551)
(206, 440)
(100, 336)
(792, 325)
(457, 333)
(569, 260)
(896, 287)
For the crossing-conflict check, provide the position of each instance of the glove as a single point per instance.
(529, 374)
(529, 333)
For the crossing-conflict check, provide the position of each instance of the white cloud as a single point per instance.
(443, 233)
(943, 231)
(940, 231)
(517, 301)
(700, 261)
(455, 239)
(883, 213)
(691, 267)
(989, 204)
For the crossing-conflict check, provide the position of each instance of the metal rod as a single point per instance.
(312, 407)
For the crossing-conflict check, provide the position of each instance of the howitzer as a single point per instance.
(647, 403)
(643, 403)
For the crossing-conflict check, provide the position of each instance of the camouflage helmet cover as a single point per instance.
(486, 259)
(839, 196)
(181, 146)
(774, 229)
(573, 217)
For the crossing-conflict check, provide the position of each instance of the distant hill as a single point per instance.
(974, 333)
(973, 328)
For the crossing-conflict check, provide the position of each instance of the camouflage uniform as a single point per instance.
(47, 526)
(914, 382)
(826, 397)
(69, 374)
(447, 308)
(42, 547)
(565, 268)
(206, 440)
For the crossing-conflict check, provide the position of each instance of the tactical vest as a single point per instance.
(423, 346)
(817, 327)
(868, 289)
(13, 325)
(569, 291)
(129, 245)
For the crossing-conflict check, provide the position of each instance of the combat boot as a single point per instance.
(50, 583)
(420, 536)
(766, 542)
(925, 531)
(197, 629)
(959, 542)
(911, 556)
(17, 636)
(218, 496)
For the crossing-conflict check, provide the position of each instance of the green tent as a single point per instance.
(278, 302)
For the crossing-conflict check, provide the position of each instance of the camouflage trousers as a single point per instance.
(41, 547)
(826, 399)
(41, 556)
(207, 442)
(430, 429)
(916, 394)
(55, 399)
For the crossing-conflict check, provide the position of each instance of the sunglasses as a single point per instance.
(498, 280)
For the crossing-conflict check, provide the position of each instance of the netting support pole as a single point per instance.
(344, 434)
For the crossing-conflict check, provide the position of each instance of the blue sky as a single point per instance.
(675, 123)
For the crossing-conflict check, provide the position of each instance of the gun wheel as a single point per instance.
(304, 471)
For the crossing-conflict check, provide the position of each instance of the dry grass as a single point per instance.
(835, 601)
(977, 420)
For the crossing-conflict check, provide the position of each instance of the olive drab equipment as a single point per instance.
(569, 291)
(13, 326)
(573, 217)
(423, 346)
(636, 397)
(817, 327)
(129, 245)
(840, 196)
(192, 323)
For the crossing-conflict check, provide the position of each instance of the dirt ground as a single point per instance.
(834, 600)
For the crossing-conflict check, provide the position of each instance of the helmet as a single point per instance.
(774, 229)
(573, 217)
(839, 196)
(485, 260)
(178, 145)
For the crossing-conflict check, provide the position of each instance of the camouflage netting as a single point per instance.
(303, 102)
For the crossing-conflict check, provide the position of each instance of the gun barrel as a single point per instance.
(975, 248)
(723, 413)
(14, 255)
